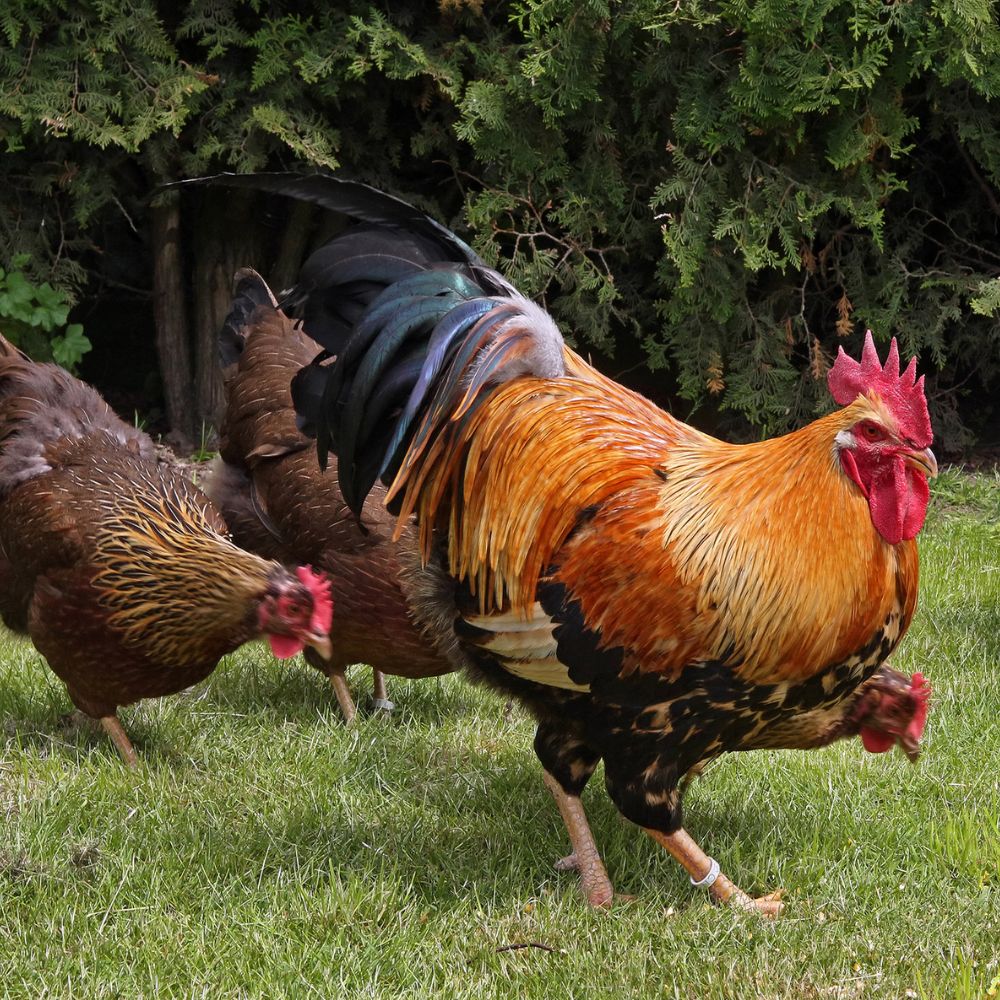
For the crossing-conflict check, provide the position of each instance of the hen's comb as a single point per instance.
(902, 393)
(921, 692)
(319, 586)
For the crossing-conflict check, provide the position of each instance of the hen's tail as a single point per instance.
(8, 350)
(261, 349)
(249, 292)
(421, 331)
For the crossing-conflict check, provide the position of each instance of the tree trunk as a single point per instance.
(170, 313)
(292, 247)
(227, 238)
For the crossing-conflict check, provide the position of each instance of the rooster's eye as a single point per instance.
(872, 432)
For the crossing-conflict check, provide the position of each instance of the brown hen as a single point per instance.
(280, 505)
(114, 564)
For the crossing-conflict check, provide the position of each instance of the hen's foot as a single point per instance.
(339, 682)
(77, 720)
(586, 859)
(380, 697)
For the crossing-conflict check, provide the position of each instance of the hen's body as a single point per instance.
(111, 561)
(279, 504)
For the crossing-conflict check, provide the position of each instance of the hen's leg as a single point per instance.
(568, 764)
(339, 681)
(704, 871)
(381, 702)
(113, 727)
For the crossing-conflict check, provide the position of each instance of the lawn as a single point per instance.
(265, 849)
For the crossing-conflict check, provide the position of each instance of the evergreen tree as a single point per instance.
(724, 190)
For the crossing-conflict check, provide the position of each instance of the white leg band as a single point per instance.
(709, 880)
(382, 705)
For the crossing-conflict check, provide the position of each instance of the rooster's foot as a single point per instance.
(570, 863)
(705, 874)
(767, 906)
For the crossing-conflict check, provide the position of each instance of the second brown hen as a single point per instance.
(280, 505)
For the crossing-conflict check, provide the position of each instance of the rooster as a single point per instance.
(655, 596)
(115, 565)
(278, 503)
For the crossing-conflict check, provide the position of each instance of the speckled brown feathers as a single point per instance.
(279, 503)
(114, 564)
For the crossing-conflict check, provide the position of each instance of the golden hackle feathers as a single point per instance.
(761, 555)
(159, 552)
(515, 476)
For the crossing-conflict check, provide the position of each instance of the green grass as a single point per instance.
(264, 849)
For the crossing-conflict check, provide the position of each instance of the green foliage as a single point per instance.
(731, 189)
(32, 317)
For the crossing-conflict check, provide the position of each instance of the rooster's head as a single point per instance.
(884, 446)
(297, 611)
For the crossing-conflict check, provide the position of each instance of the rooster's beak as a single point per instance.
(923, 461)
(320, 641)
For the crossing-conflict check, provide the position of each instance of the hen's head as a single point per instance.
(892, 709)
(297, 611)
(885, 448)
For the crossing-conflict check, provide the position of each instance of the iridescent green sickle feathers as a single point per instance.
(412, 322)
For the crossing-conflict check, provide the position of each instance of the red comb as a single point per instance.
(921, 691)
(902, 393)
(319, 586)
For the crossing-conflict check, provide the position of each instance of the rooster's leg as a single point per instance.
(699, 866)
(113, 727)
(585, 858)
(339, 681)
(381, 702)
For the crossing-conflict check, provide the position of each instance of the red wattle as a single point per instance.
(876, 741)
(284, 646)
(898, 500)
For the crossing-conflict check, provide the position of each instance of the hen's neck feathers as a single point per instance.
(155, 548)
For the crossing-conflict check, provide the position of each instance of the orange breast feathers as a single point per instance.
(678, 547)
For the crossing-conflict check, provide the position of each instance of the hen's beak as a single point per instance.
(923, 461)
(910, 747)
(320, 641)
